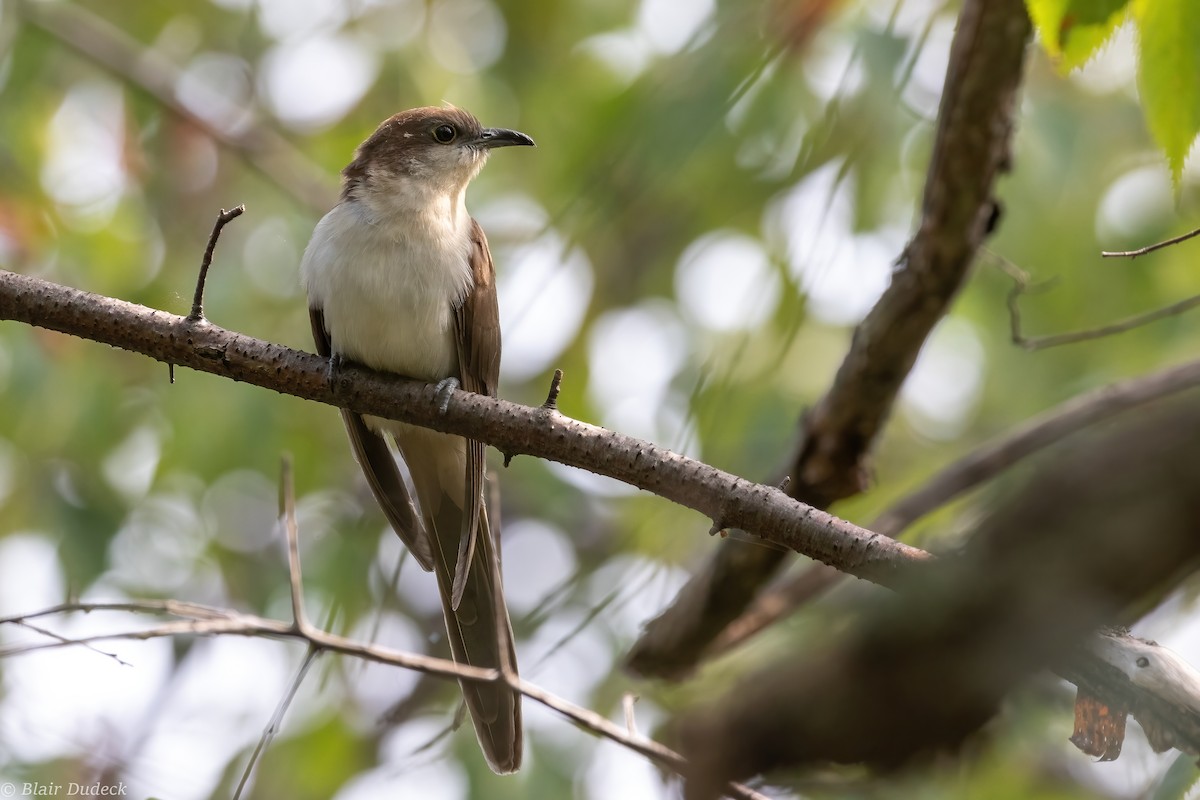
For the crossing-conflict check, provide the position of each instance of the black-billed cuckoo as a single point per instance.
(400, 279)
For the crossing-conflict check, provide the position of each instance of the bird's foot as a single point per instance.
(332, 370)
(445, 388)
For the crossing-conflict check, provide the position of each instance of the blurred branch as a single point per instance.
(1150, 248)
(1032, 343)
(198, 619)
(1081, 544)
(204, 621)
(264, 149)
(729, 501)
(513, 427)
(968, 472)
(971, 149)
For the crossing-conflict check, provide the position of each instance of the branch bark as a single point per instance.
(975, 124)
(729, 501)
(970, 471)
(1087, 538)
(540, 432)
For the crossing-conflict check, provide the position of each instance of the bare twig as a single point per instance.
(591, 721)
(223, 219)
(628, 700)
(292, 535)
(1031, 437)
(1150, 248)
(272, 727)
(239, 624)
(977, 467)
(206, 620)
(51, 634)
(1056, 340)
(176, 608)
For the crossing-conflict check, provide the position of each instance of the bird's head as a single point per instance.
(426, 151)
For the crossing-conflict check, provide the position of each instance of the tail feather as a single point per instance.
(477, 630)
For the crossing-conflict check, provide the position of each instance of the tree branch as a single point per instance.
(198, 619)
(1080, 545)
(971, 149)
(729, 501)
(970, 471)
(514, 428)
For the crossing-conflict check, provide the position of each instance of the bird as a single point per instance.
(400, 279)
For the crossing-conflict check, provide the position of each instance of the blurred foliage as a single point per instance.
(1169, 60)
(719, 193)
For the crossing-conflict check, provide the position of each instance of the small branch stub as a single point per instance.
(223, 219)
(551, 403)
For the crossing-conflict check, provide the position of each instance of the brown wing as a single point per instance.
(379, 467)
(477, 328)
(477, 322)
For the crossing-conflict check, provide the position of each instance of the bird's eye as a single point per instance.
(444, 133)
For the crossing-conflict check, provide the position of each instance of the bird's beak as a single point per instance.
(501, 137)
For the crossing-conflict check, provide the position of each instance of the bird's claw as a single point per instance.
(445, 388)
(332, 369)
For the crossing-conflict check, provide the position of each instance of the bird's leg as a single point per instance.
(332, 370)
(445, 388)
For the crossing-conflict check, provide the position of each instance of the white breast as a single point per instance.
(388, 286)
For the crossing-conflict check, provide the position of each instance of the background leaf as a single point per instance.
(1169, 78)
(1073, 30)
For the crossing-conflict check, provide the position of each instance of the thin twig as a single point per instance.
(1150, 248)
(1112, 329)
(213, 621)
(47, 632)
(628, 700)
(272, 728)
(238, 624)
(292, 534)
(972, 470)
(591, 721)
(177, 608)
(231, 622)
(223, 219)
(1023, 284)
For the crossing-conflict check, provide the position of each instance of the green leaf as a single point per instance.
(1180, 778)
(1072, 30)
(1169, 78)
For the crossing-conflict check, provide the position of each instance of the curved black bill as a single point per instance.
(502, 137)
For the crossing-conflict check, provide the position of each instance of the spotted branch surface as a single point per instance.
(726, 499)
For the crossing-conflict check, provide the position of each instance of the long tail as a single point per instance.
(480, 626)
(476, 635)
